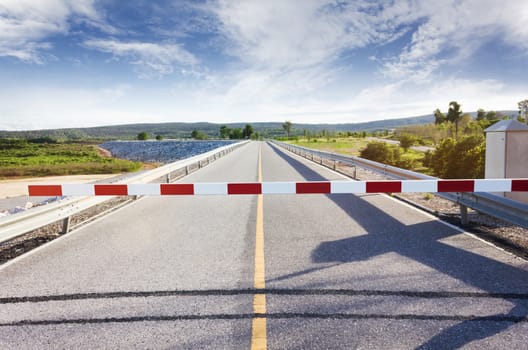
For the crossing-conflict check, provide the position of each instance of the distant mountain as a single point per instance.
(183, 130)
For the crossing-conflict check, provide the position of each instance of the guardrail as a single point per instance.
(486, 203)
(15, 225)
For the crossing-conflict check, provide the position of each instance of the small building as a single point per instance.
(507, 153)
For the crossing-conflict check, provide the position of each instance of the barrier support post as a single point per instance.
(65, 225)
(464, 214)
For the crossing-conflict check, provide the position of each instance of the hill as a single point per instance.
(183, 130)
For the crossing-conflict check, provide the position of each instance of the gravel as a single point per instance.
(31, 240)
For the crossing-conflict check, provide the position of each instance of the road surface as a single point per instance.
(335, 272)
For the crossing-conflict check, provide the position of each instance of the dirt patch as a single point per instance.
(103, 152)
(150, 166)
(18, 187)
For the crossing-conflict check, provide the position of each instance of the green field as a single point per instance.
(410, 159)
(346, 145)
(20, 158)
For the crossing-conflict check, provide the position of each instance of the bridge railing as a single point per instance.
(15, 225)
(487, 203)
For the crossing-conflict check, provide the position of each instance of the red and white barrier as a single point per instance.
(318, 187)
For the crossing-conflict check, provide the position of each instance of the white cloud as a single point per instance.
(292, 35)
(291, 52)
(26, 24)
(452, 32)
(305, 60)
(151, 58)
(286, 34)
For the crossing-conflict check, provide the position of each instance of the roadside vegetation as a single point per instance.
(454, 146)
(46, 157)
(351, 146)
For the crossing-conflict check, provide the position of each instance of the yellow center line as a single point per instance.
(258, 333)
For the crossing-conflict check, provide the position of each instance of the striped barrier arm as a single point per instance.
(317, 187)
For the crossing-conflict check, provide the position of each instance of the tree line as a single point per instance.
(459, 139)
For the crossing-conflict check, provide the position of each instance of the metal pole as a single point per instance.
(464, 214)
(65, 225)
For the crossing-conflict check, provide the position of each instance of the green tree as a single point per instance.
(287, 126)
(159, 137)
(481, 114)
(440, 117)
(523, 110)
(492, 115)
(460, 159)
(142, 136)
(248, 131)
(224, 132)
(454, 115)
(198, 135)
(236, 134)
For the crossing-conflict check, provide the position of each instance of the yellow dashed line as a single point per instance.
(258, 333)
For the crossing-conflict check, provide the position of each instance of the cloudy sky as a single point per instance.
(73, 63)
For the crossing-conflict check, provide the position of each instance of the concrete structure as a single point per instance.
(507, 153)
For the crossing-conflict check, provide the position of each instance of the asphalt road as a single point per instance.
(341, 272)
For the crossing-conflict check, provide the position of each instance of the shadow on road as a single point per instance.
(421, 242)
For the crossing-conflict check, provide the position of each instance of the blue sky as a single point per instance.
(76, 63)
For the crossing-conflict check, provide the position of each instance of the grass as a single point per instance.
(411, 159)
(349, 145)
(19, 158)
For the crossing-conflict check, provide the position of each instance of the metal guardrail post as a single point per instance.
(66, 225)
(464, 214)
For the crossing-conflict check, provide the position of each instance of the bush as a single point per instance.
(406, 141)
(407, 163)
(460, 159)
(428, 159)
(381, 152)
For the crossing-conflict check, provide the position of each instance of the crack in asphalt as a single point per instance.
(269, 291)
